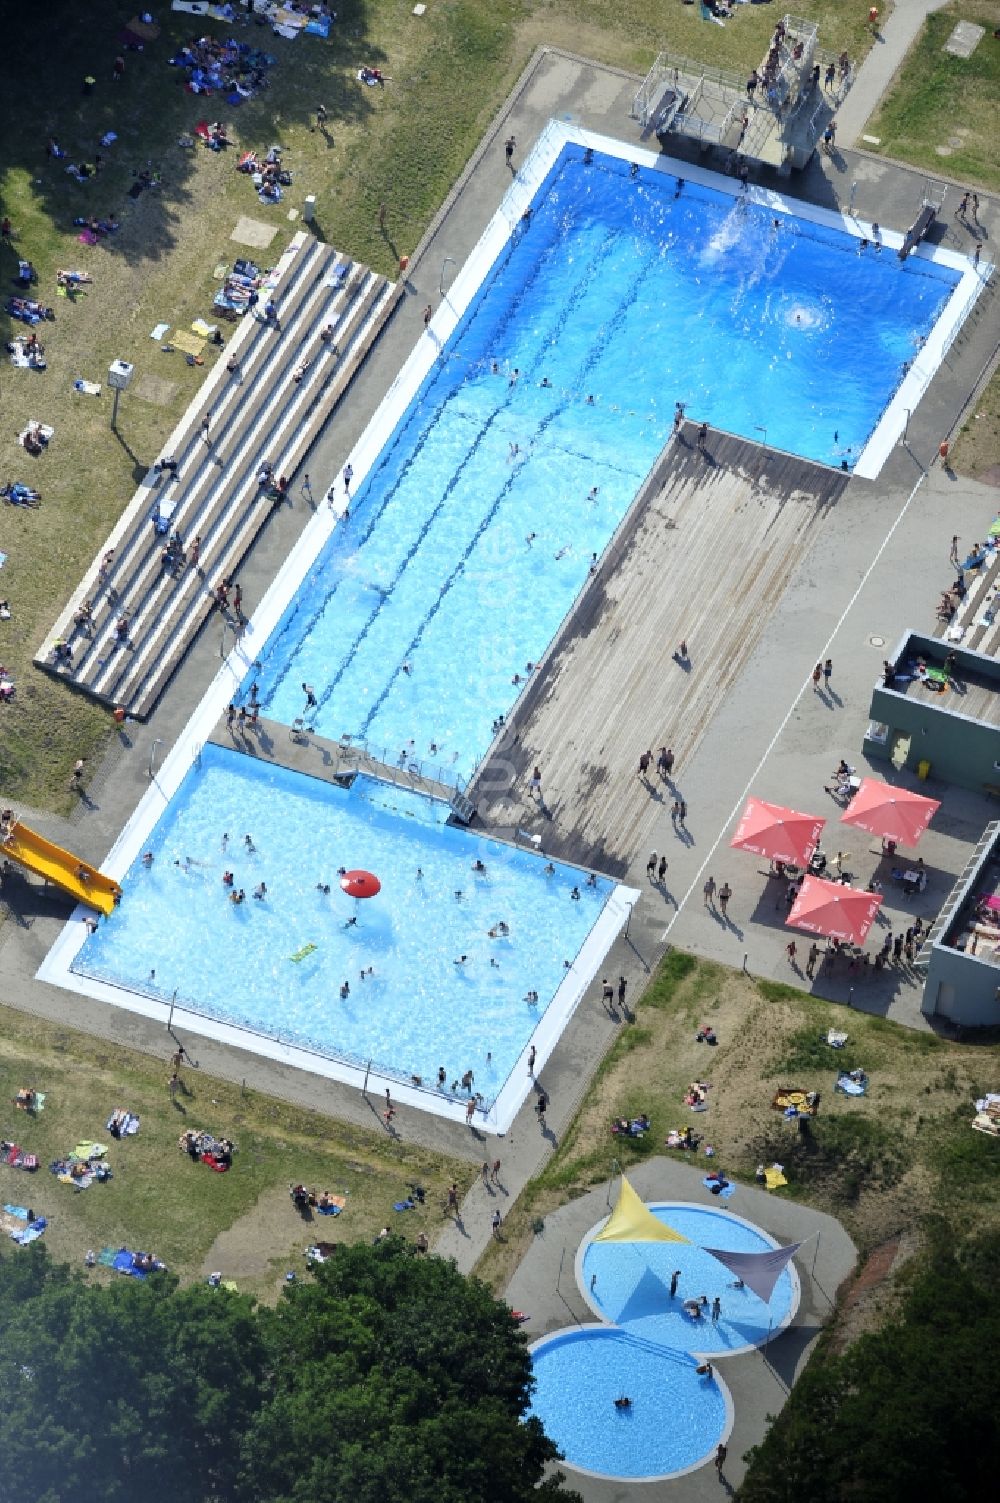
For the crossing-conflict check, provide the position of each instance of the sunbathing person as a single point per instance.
(25, 1099)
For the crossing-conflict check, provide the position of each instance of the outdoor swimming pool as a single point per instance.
(632, 1286)
(474, 529)
(276, 966)
(674, 1422)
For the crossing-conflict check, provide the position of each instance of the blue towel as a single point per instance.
(21, 1211)
(31, 1233)
(329, 1210)
(404, 1205)
(724, 1193)
(124, 1264)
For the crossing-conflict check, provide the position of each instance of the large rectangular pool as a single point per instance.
(428, 987)
(626, 289)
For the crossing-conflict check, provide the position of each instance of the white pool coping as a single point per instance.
(607, 1327)
(133, 838)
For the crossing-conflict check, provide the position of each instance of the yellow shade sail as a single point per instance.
(633, 1221)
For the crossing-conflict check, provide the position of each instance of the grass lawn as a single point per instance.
(878, 1163)
(159, 1200)
(403, 146)
(943, 112)
(977, 448)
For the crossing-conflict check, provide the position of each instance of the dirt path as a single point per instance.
(271, 1230)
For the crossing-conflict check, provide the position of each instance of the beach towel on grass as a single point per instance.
(329, 1210)
(106, 1257)
(123, 1262)
(774, 1179)
(128, 1122)
(31, 1233)
(21, 1212)
(851, 1087)
(87, 1151)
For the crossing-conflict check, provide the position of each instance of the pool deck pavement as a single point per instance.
(301, 750)
(767, 731)
(705, 553)
(545, 1287)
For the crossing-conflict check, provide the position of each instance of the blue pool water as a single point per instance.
(618, 299)
(675, 1421)
(633, 1284)
(419, 1010)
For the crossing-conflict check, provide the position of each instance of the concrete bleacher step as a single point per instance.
(129, 535)
(212, 491)
(264, 414)
(241, 536)
(246, 507)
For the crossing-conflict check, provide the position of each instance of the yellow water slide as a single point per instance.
(81, 880)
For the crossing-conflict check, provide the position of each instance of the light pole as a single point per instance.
(444, 263)
(119, 377)
(760, 429)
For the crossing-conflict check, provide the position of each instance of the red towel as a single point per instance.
(214, 1163)
(201, 129)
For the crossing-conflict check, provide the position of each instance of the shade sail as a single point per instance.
(778, 833)
(893, 813)
(836, 911)
(633, 1221)
(760, 1271)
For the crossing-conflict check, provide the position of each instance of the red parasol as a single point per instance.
(834, 910)
(360, 884)
(776, 832)
(893, 813)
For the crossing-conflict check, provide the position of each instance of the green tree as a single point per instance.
(124, 1391)
(905, 1413)
(389, 1376)
(397, 1378)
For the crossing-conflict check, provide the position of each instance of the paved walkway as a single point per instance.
(545, 1287)
(878, 69)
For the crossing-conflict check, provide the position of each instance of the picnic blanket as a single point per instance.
(191, 344)
(126, 1123)
(125, 1262)
(794, 1101)
(89, 1151)
(48, 433)
(774, 1177)
(854, 1083)
(982, 1122)
(835, 1038)
(31, 1232)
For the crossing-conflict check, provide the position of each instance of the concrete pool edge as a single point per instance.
(603, 1328)
(665, 1205)
(59, 968)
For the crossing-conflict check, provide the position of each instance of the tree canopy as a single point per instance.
(386, 1376)
(903, 1413)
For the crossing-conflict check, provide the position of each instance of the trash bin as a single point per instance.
(923, 769)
